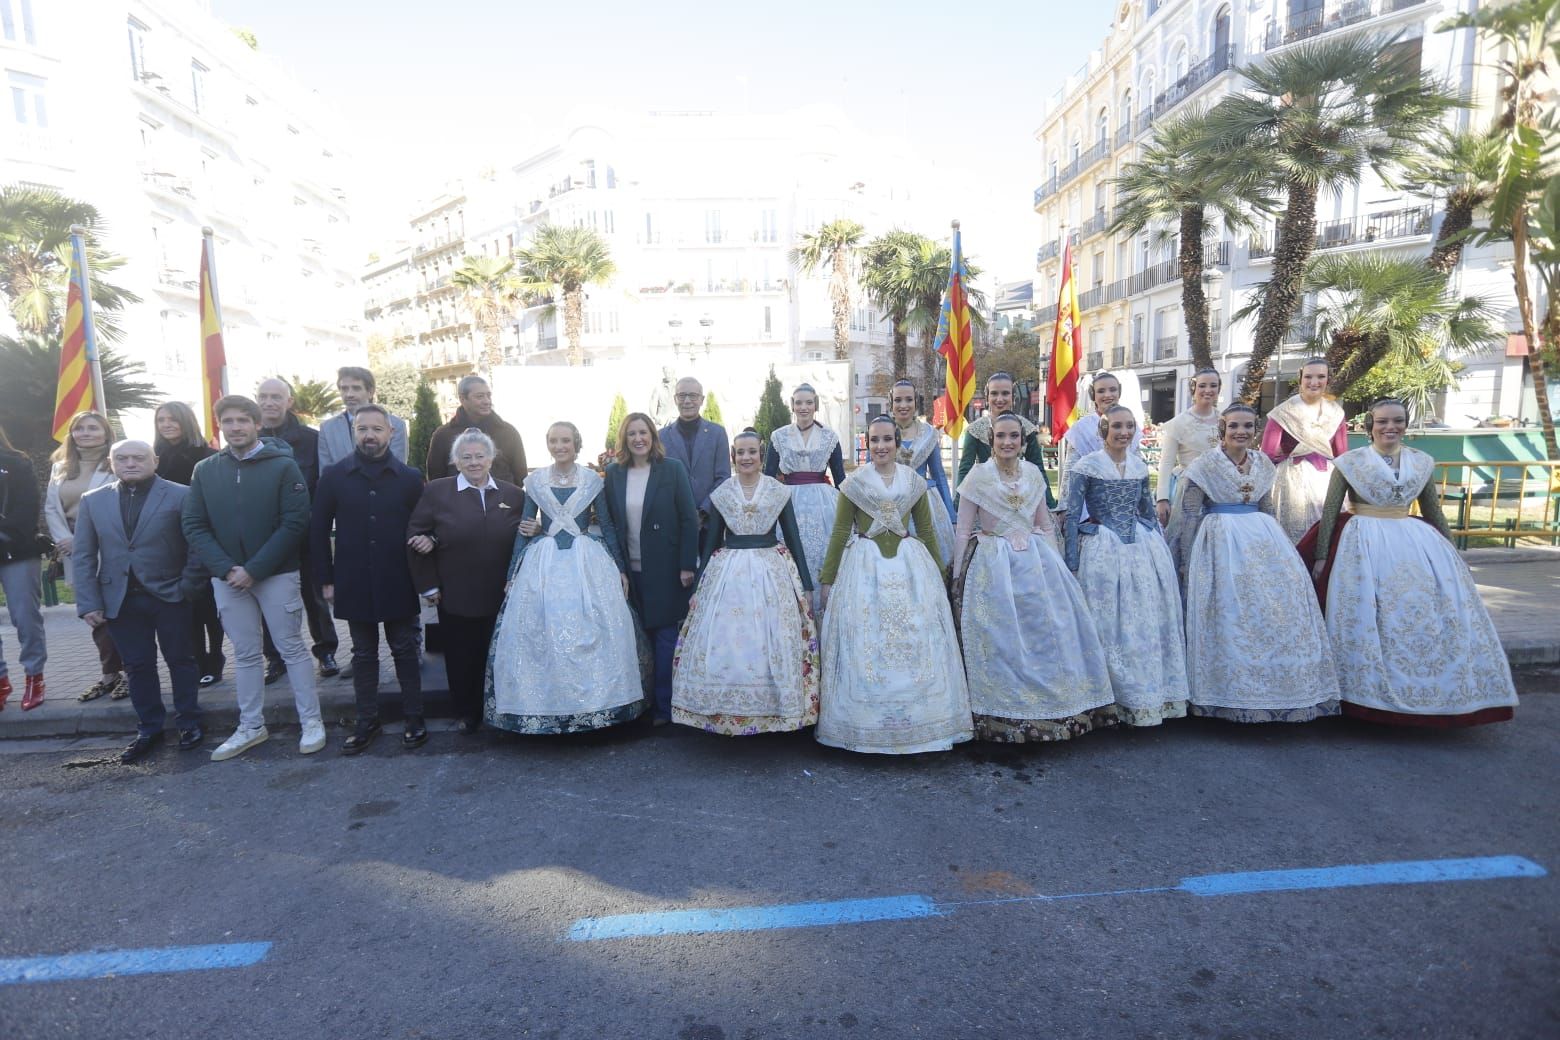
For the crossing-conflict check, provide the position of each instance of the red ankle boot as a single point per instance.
(32, 696)
(5, 690)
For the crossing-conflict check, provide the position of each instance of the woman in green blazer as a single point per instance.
(651, 503)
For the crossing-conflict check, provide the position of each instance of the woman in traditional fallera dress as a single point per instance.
(893, 682)
(1034, 662)
(1302, 437)
(747, 661)
(1415, 645)
(1182, 441)
(1128, 578)
(804, 456)
(564, 655)
(1256, 645)
(920, 448)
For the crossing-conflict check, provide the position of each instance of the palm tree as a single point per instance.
(1528, 32)
(833, 245)
(1377, 307)
(1323, 111)
(926, 275)
(884, 265)
(1460, 167)
(565, 260)
(314, 398)
(35, 228)
(492, 293)
(1182, 175)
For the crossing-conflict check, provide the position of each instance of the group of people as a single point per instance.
(743, 587)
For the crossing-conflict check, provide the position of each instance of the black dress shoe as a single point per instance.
(144, 745)
(328, 666)
(362, 736)
(274, 670)
(416, 734)
(191, 738)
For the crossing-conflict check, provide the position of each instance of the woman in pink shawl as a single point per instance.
(1303, 436)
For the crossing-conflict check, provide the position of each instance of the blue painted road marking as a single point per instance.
(753, 918)
(899, 908)
(153, 960)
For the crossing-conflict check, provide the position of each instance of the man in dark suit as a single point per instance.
(135, 573)
(700, 445)
(368, 499)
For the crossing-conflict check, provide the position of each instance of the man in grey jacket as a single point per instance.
(356, 387)
(134, 574)
(698, 444)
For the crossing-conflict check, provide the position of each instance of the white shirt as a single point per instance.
(634, 503)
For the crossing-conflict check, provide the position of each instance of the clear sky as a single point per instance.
(429, 87)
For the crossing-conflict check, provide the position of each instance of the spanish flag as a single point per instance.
(78, 350)
(955, 343)
(1061, 385)
(213, 358)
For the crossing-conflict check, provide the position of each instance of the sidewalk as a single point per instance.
(1520, 586)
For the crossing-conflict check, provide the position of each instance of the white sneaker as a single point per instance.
(241, 740)
(313, 738)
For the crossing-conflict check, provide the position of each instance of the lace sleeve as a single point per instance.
(963, 531)
(1193, 501)
(1072, 504)
(1430, 509)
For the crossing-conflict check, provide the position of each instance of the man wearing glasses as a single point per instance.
(698, 444)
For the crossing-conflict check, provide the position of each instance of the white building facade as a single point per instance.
(1163, 58)
(163, 119)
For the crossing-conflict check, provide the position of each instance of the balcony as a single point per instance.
(1137, 352)
(1118, 356)
(1198, 76)
(1094, 225)
(1304, 25)
(1053, 249)
(1069, 173)
(1124, 135)
(1354, 231)
(436, 243)
(1166, 347)
(1096, 360)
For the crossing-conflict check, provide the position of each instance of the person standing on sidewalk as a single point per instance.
(179, 446)
(275, 398)
(700, 445)
(134, 575)
(21, 571)
(476, 412)
(356, 387)
(245, 515)
(369, 499)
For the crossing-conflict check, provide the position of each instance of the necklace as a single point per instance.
(562, 479)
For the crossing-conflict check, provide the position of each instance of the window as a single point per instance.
(27, 103)
(1099, 267)
(198, 86)
(818, 355)
(712, 232)
(17, 29)
(1143, 259)
(1102, 127)
(1221, 37)
(768, 225)
(137, 49)
(1077, 149)
(768, 320)
(1124, 117)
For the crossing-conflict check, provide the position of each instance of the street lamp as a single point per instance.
(674, 327)
(707, 327)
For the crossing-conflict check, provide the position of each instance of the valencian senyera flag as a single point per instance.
(213, 358)
(78, 350)
(1061, 385)
(955, 342)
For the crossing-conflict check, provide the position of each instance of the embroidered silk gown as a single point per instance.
(1256, 645)
(1414, 642)
(920, 448)
(1035, 666)
(1129, 582)
(1302, 440)
(893, 682)
(747, 660)
(806, 462)
(564, 655)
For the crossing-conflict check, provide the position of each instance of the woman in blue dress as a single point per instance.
(564, 656)
(920, 448)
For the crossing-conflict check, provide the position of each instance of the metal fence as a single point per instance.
(1502, 501)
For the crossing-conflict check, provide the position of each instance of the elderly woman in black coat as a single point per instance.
(651, 502)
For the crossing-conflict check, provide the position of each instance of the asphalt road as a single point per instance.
(430, 894)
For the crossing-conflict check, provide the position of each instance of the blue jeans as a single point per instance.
(144, 623)
(20, 579)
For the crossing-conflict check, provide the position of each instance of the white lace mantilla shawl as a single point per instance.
(1313, 428)
(915, 450)
(750, 516)
(1101, 466)
(1013, 507)
(980, 429)
(1222, 482)
(887, 504)
(562, 516)
(795, 457)
(1372, 480)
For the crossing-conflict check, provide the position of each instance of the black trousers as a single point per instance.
(145, 623)
(466, 642)
(207, 632)
(403, 635)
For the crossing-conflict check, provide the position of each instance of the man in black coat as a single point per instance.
(476, 410)
(368, 498)
(277, 421)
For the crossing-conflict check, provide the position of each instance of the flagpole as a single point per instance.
(1061, 445)
(955, 440)
(78, 247)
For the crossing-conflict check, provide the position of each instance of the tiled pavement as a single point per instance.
(1521, 587)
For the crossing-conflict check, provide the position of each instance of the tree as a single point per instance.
(491, 293)
(35, 228)
(1016, 352)
(885, 262)
(425, 420)
(711, 408)
(927, 278)
(395, 387)
(1528, 32)
(615, 421)
(1460, 168)
(1323, 111)
(314, 399)
(833, 246)
(1184, 174)
(772, 412)
(1414, 380)
(565, 260)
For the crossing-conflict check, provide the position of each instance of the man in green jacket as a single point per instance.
(246, 515)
